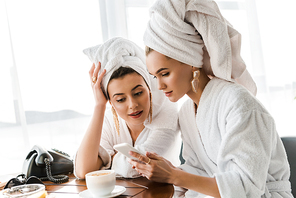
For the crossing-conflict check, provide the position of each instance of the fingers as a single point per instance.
(137, 164)
(101, 76)
(153, 155)
(91, 71)
(140, 157)
(141, 168)
(143, 165)
(95, 74)
(149, 161)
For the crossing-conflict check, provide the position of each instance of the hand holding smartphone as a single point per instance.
(124, 148)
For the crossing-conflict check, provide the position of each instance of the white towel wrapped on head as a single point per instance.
(118, 52)
(195, 32)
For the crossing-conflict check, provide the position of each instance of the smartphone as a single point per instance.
(124, 148)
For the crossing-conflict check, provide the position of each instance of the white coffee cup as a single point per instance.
(101, 182)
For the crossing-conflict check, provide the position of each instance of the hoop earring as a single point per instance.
(115, 118)
(195, 81)
(150, 110)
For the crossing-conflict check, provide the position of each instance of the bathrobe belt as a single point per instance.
(277, 186)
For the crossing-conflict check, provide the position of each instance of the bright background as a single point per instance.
(45, 93)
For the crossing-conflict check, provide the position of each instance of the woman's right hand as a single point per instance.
(96, 84)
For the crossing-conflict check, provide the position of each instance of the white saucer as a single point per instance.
(118, 190)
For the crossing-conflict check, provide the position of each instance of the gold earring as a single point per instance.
(150, 110)
(195, 81)
(115, 118)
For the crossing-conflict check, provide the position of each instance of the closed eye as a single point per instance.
(138, 93)
(121, 100)
(165, 74)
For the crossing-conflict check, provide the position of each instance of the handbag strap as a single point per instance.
(50, 177)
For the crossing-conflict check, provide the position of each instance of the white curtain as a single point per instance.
(278, 45)
(45, 94)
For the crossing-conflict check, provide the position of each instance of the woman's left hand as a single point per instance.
(153, 167)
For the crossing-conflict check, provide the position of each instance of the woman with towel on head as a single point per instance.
(230, 143)
(140, 115)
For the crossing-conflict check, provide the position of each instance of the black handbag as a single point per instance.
(48, 164)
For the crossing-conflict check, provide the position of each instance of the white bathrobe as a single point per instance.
(233, 138)
(163, 140)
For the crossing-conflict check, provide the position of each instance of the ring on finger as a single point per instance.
(148, 161)
(94, 79)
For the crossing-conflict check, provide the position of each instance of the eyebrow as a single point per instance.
(161, 69)
(136, 87)
(118, 94)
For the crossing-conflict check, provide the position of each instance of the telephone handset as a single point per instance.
(44, 164)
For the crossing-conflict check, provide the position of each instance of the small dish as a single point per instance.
(118, 190)
(31, 190)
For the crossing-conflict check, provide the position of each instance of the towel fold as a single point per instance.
(119, 52)
(195, 32)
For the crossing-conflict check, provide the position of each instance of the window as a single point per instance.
(46, 98)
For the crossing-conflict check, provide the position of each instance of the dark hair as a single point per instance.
(148, 50)
(120, 73)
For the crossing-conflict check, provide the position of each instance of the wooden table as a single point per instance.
(136, 188)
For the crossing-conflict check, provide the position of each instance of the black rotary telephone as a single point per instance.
(48, 164)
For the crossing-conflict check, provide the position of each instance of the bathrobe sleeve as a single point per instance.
(245, 153)
(106, 150)
(104, 153)
(160, 141)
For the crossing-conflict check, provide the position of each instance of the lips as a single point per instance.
(136, 114)
(168, 94)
